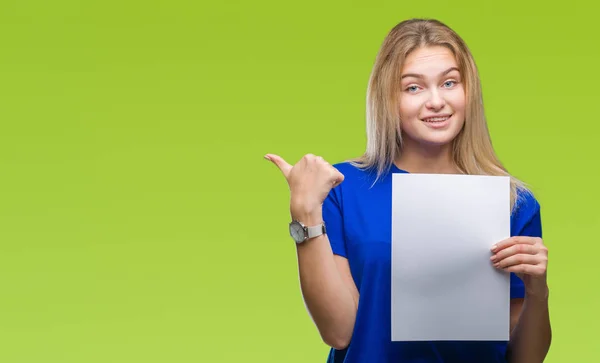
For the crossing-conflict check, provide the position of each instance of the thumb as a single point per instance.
(281, 164)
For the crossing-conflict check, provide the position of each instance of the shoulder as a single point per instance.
(526, 203)
(526, 218)
(356, 180)
(347, 167)
(355, 177)
(352, 170)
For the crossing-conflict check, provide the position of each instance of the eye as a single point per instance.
(412, 89)
(449, 84)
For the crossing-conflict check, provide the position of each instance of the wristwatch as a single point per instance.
(300, 233)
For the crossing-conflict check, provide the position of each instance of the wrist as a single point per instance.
(308, 216)
(538, 296)
(308, 219)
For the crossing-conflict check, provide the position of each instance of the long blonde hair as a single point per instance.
(472, 148)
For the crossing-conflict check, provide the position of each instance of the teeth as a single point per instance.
(436, 119)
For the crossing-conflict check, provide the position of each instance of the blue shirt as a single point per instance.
(358, 219)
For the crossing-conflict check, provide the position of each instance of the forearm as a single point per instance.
(328, 300)
(530, 340)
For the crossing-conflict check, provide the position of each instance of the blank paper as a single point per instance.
(444, 286)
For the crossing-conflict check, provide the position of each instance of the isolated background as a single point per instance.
(138, 219)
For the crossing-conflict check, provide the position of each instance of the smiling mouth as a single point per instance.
(435, 120)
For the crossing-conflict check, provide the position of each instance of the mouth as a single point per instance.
(437, 121)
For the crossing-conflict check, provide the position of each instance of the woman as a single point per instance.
(425, 115)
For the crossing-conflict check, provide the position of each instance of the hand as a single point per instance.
(528, 258)
(310, 181)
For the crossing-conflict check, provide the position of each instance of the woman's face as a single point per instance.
(432, 98)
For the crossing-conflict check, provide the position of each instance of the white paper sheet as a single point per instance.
(444, 286)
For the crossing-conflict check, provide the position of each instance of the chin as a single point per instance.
(437, 140)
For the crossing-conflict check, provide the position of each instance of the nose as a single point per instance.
(436, 101)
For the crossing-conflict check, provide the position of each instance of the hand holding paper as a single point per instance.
(528, 258)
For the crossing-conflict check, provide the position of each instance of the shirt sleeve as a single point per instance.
(334, 221)
(531, 228)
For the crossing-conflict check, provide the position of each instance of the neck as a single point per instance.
(422, 159)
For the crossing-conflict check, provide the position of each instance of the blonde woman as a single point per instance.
(424, 115)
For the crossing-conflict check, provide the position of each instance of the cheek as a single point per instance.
(409, 108)
(457, 100)
(459, 105)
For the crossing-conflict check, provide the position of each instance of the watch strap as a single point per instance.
(315, 231)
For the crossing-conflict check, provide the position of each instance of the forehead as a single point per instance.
(429, 60)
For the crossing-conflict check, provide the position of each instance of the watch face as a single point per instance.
(297, 232)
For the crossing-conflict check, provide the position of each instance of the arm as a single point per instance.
(530, 339)
(327, 286)
(329, 291)
(527, 257)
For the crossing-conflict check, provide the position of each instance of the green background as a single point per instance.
(139, 221)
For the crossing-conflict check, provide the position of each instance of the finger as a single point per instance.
(520, 259)
(281, 164)
(336, 177)
(339, 177)
(519, 248)
(322, 160)
(512, 241)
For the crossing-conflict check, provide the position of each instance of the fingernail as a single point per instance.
(494, 248)
(497, 264)
(493, 258)
(267, 157)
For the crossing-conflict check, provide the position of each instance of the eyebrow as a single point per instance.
(415, 75)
